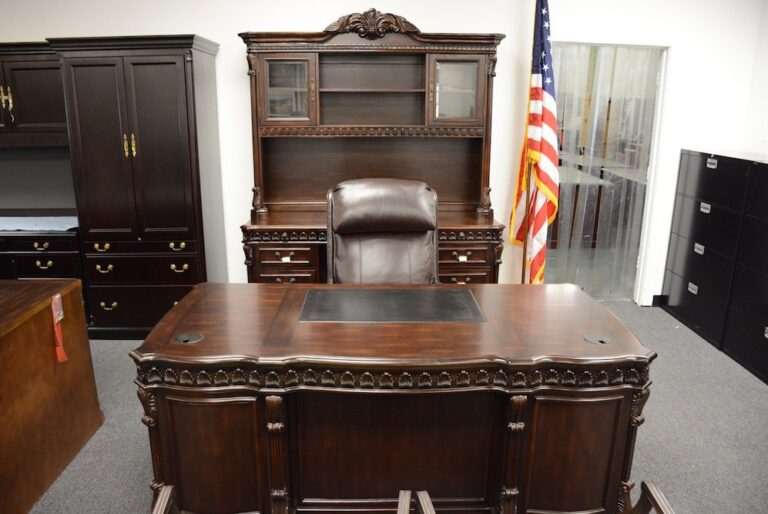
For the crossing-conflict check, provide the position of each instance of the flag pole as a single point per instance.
(527, 217)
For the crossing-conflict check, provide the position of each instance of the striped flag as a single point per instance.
(537, 193)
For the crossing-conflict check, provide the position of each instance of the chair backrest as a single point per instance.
(382, 231)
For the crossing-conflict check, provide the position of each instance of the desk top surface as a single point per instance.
(21, 299)
(262, 323)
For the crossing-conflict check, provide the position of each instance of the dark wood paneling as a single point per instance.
(38, 95)
(717, 229)
(702, 311)
(713, 179)
(371, 108)
(349, 72)
(302, 170)
(134, 269)
(691, 261)
(746, 340)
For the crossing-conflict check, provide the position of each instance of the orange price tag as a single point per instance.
(57, 310)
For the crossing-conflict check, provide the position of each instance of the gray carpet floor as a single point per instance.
(704, 442)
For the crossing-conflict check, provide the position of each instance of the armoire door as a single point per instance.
(100, 148)
(38, 97)
(159, 139)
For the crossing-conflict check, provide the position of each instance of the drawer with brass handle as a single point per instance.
(42, 244)
(51, 265)
(142, 269)
(465, 255)
(277, 256)
(462, 276)
(162, 246)
(289, 277)
(131, 306)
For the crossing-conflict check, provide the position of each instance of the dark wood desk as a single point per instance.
(534, 408)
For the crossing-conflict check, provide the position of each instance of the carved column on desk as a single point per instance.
(149, 402)
(278, 455)
(258, 201)
(508, 498)
(636, 419)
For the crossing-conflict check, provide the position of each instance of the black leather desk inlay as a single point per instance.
(391, 305)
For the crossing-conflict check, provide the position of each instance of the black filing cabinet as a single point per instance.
(716, 281)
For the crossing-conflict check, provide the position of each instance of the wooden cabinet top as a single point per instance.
(22, 299)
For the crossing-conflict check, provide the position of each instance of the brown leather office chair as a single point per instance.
(382, 231)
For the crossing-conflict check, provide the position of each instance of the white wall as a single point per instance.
(712, 54)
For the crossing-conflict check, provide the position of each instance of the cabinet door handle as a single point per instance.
(125, 145)
(698, 248)
(291, 280)
(40, 247)
(99, 248)
(175, 269)
(173, 246)
(112, 307)
(103, 270)
(2, 96)
(48, 264)
(312, 91)
(133, 144)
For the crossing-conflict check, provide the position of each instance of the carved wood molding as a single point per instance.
(371, 131)
(257, 236)
(509, 492)
(372, 24)
(636, 419)
(470, 235)
(506, 378)
(278, 454)
(489, 48)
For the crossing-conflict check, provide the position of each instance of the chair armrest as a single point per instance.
(652, 500)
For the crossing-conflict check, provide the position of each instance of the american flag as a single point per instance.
(539, 191)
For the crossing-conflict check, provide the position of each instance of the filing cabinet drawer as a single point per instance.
(758, 191)
(42, 244)
(714, 179)
(746, 340)
(465, 254)
(714, 227)
(750, 292)
(142, 269)
(289, 276)
(464, 276)
(111, 246)
(692, 261)
(50, 265)
(701, 311)
(132, 306)
(271, 256)
(753, 245)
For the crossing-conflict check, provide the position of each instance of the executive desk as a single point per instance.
(494, 398)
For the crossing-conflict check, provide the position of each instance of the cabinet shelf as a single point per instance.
(370, 90)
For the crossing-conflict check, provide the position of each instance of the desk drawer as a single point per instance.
(142, 269)
(132, 306)
(464, 276)
(42, 244)
(109, 246)
(270, 256)
(694, 263)
(707, 224)
(713, 179)
(49, 265)
(753, 245)
(746, 340)
(289, 276)
(701, 311)
(465, 254)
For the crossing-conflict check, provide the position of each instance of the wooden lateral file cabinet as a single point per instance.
(370, 96)
(41, 254)
(50, 409)
(137, 111)
(32, 109)
(315, 398)
(716, 280)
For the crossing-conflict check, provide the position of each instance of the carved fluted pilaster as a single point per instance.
(278, 454)
(509, 494)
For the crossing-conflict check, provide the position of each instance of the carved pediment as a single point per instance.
(371, 24)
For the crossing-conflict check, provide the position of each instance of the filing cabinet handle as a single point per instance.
(175, 269)
(48, 264)
(172, 246)
(40, 247)
(457, 281)
(99, 248)
(705, 207)
(279, 280)
(698, 248)
(712, 163)
(693, 288)
(462, 258)
(112, 307)
(284, 258)
(107, 270)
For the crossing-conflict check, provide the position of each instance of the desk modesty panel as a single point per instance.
(253, 405)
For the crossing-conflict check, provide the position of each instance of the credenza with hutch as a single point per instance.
(370, 96)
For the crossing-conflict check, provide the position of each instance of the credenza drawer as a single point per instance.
(750, 292)
(465, 276)
(42, 244)
(714, 227)
(713, 179)
(111, 246)
(692, 261)
(132, 306)
(701, 311)
(746, 340)
(758, 191)
(286, 255)
(142, 269)
(49, 265)
(289, 276)
(465, 254)
(753, 244)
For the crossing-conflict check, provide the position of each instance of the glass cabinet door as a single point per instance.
(457, 90)
(288, 89)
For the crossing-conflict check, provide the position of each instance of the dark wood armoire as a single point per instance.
(370, 96)
(133, 105)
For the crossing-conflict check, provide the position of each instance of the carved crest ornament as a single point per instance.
(371, 24)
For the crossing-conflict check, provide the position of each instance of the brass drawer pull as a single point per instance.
(99, 248)
(112, 307)
(107, 270)
(173, 246)
(175, 269)
(279, 280)
(133, 144)
(462, 258)
(41, 247)
(48, 264)
(457, 281)
(125, 145)
(284, 258)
